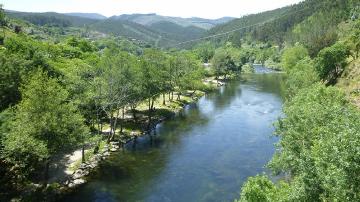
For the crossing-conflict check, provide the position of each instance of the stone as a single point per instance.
(114, 143)
(93, 164)
(76, 182)
(83, 166)
(78, 174)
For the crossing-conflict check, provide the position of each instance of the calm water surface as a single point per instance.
(203, 154)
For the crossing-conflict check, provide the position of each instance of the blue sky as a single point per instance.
(181, 8)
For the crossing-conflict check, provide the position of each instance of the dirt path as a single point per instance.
(60, 170)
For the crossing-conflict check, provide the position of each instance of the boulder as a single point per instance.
(76, 183)
(79, 174)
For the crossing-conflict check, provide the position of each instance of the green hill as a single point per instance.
(158, 33)
(95, 16)
(281, 25)
(51, 18)
(152, 18)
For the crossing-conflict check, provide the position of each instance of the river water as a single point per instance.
(203, 154)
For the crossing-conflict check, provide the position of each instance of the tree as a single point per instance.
(317, 147)
(258, 188)
(188, 73)
(2, 24)
(318, 31)
(205, 51)
(353, 40)
(45, 123)
(223, 63)
(292, 55)
(154, 78)
(331, 61)
(115, 88)
(300, 76)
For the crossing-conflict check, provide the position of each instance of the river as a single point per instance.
(205, 153)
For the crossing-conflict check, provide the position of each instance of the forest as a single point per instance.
(62, 85)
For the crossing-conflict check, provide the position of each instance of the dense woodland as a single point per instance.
(61, 88)
(317, 154)
(61, 84)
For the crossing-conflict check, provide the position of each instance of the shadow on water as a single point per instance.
(203, 154)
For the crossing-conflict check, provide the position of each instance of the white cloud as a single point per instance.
(183, 8)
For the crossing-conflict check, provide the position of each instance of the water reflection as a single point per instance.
(204, 154)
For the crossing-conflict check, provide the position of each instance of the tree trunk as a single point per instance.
(179, 94)
(172, 95)
(83, 154)
(152, 104)
(149, 115)
(164, 103)
(133, 110)
(169, 96)
(111, 125)
(46, 172)
(122, 120)
(114, 125)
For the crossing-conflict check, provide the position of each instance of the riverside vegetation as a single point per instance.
(65, 88)
(61, 92)
(318, 151)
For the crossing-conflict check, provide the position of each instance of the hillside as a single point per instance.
(162, 32)
(279, 25)
(51, 18)
(95, 16)
(129, 30)
(152, 18)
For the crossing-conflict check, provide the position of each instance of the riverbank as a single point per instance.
(202, 154)
(74, 172)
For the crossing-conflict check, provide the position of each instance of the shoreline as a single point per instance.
(84, 170)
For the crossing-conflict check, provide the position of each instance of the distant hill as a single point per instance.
(130, 30)
(95, 16)
(277, 25)
(151, 18)
(158, 30)
(51, 18)
(176, 32)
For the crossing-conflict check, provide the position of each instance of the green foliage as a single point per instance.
(292, 55)
(223, 63)
(353, 40)
(318, 148)
(177, 32)
(186, 72)
(51, 19)
(12, 69)
(82, 44)
(258, 188)
(153, 72)
(205, 51)
(2, 16)
(317, 32)
(44, 123)
(316, 119)
(247, 68)
(331, 61)
(300, 76)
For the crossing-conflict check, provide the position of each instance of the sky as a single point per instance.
(181, 8)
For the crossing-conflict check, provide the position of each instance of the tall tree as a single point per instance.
(2, 24)
(45, 123)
